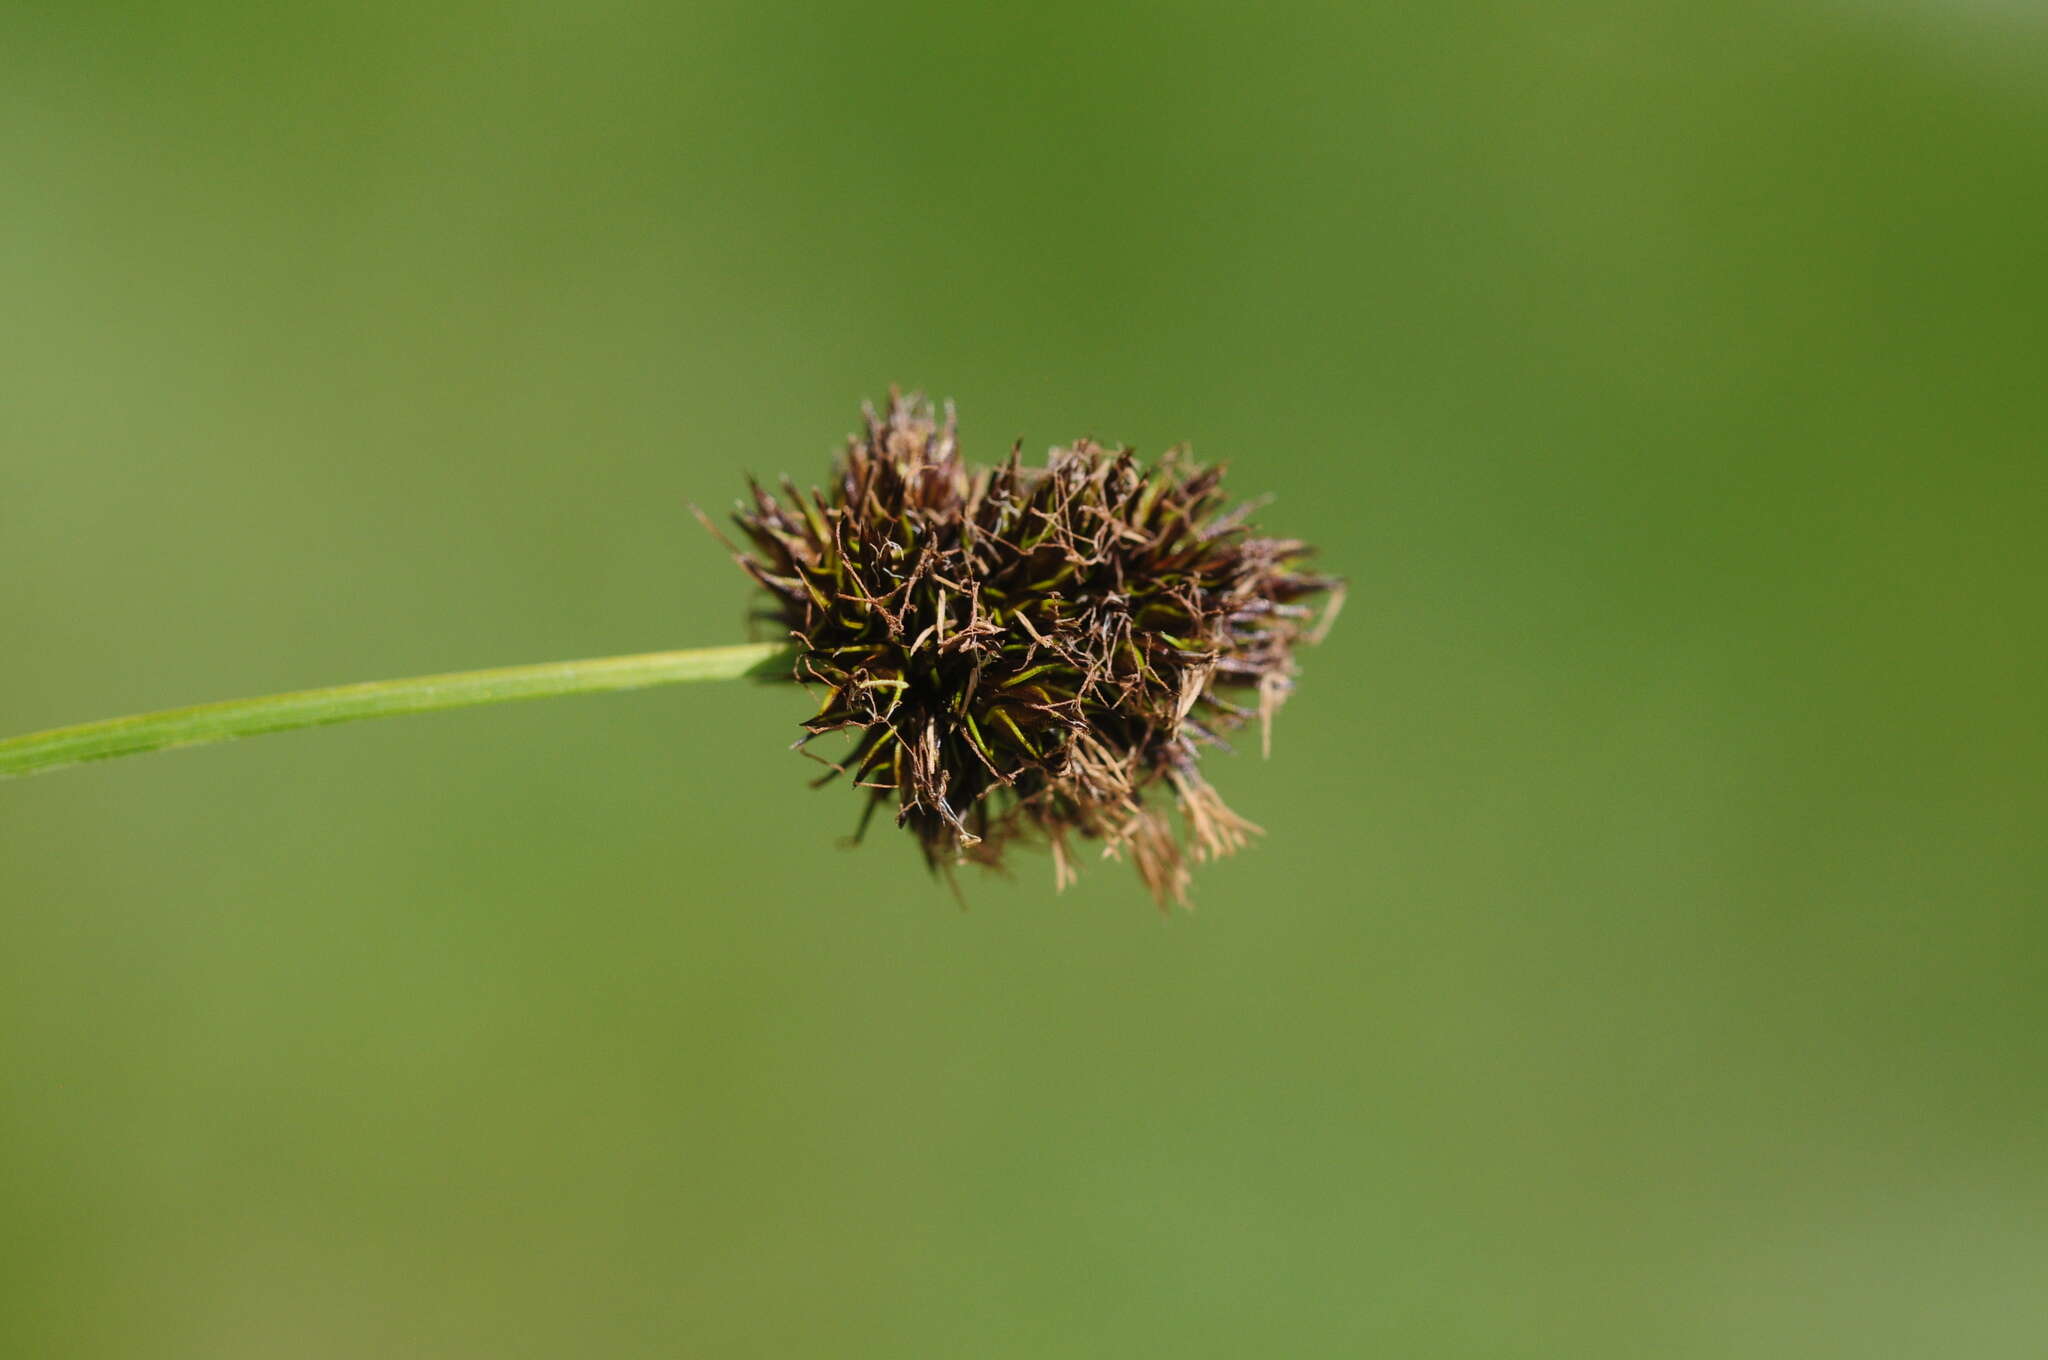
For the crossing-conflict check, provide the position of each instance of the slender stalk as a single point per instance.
(39, 751)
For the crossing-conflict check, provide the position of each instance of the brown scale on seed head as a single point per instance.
(1025, 651)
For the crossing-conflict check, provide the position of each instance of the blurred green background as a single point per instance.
(1647, 953)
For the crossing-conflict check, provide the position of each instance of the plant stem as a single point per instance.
(39, 751)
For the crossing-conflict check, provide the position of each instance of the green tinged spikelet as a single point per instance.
(1031, 652)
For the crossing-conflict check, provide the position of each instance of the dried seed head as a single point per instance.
(1027, 652)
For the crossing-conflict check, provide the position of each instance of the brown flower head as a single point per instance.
(1031, 651)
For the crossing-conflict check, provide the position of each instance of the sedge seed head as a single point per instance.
(1031, 653)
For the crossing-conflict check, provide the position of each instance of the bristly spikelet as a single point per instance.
(1023, 651)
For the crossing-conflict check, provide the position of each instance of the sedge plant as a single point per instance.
(1016, 653)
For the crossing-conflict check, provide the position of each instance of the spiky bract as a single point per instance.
(1030, 651)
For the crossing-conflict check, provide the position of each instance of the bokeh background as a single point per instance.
(1647, 953)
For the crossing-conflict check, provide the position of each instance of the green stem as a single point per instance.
(102, 740)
